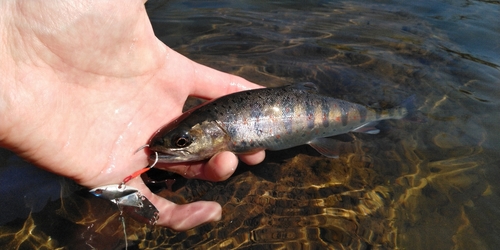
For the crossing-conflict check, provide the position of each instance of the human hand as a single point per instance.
(84, 84)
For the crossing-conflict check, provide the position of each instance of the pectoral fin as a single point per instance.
(326, 146)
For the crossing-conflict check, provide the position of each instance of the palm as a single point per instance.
(93, 85)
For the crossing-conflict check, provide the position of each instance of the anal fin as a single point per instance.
(368, 128)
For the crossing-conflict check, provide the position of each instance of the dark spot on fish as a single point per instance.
(277, 139)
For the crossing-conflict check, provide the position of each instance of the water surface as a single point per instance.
(423, 183)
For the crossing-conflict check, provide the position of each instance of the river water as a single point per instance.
(427, 182)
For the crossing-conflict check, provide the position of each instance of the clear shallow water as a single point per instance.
(429, 183)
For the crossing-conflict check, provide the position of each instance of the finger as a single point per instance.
(188, 170)
(221, 166)
(210, 83)
(203, 81)
(179, 217)
(253, 158)
(184, 217)
(218, 168)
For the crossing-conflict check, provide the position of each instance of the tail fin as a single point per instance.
(409, 105)
(412, 112)
(404, 110)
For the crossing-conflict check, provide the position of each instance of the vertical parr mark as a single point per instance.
(325, 110)
(344, 113)
(362, 114)
(391, 112)
(309, 113)
(231, 124)
(288, 113)
(255, 115)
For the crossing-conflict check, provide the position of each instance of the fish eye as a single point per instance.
(182, 141)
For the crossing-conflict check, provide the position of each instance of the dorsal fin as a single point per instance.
(305, 86)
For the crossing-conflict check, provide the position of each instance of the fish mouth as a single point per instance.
(163, 158)
(169, 157)
(162, 154)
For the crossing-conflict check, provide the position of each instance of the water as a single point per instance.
(423, 183)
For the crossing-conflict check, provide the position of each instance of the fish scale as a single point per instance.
(319, 116)
(269, 118)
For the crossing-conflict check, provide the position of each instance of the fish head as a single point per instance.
(184, 143)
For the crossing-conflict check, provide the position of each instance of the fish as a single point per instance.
(265, 119)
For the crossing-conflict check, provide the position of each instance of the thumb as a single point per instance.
(200, 80)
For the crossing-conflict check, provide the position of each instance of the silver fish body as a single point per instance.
(268, 118)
